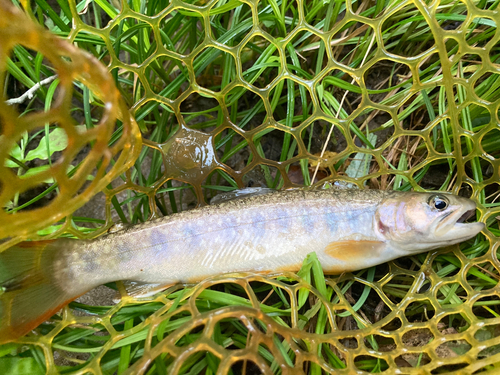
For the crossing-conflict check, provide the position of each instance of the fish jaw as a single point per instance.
(461, 232)
(453, 228)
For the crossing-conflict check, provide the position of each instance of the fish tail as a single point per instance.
(29, 291)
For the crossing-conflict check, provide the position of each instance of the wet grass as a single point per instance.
(430, 124)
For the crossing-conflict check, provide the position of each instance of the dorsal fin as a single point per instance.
(241, 193)
(339, 185)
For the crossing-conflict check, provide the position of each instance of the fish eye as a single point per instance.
(438, 202)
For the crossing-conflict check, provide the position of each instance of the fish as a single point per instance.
(348, 229)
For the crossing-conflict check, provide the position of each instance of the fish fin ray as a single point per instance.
(239, 194)
(137, 289)
(354, 251)
(29, 293)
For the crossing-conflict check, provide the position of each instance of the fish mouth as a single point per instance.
(466, 216)
(455, 226)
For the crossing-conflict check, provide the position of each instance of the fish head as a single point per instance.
(416, 222)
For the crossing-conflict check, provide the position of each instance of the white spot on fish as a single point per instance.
(261, 249)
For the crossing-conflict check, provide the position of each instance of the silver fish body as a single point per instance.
(348, 230)
(265, 233)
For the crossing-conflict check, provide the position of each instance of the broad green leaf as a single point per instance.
(487, 333)
(50, 180)
(36, 170)
(58, 140)
(6, 349)
(20, 366)
(459, 347)
(15, 153)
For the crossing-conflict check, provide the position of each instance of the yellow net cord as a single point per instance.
(234, 76)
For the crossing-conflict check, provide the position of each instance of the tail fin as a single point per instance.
(29, 290)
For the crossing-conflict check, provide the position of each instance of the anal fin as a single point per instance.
(137, 289)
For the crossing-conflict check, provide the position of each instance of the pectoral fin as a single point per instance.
(355, 252)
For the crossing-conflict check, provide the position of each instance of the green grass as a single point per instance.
(421, 131)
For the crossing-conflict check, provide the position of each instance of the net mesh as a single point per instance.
(246, 93)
